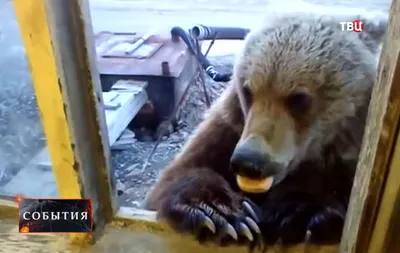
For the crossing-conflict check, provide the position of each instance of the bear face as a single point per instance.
(306, 86)
(306, 83)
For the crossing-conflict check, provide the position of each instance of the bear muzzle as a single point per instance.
(255, 168)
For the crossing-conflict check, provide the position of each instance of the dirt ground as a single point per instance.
(20, 129)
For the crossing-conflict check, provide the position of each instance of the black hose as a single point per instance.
(202, 32)
(210, 70)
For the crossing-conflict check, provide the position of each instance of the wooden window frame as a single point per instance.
(57, 36)
(375, 196)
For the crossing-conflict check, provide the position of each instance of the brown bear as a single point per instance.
(282, 169)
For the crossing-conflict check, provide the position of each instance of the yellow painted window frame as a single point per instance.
(57, 35)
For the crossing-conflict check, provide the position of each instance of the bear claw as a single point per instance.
(247, 207)
(208, 223)
(307, 237)
(231, 231)
(253, 225)
(245, 231)
(220, 221)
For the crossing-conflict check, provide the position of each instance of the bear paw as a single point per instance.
(217, 221)
(213, 214)
(289, 223)
(326, 225)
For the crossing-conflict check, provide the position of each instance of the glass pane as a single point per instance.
(119, 59)
(23, 170)
(115, 39)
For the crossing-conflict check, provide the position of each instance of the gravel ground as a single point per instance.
(20, 129)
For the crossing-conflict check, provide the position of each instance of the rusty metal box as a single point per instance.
(167, 66)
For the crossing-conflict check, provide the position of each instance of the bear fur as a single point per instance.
(315, 137)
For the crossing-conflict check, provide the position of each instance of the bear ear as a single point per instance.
(374, 31)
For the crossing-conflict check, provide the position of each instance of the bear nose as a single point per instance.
(250, 161)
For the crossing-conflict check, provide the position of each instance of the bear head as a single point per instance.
(306, 85)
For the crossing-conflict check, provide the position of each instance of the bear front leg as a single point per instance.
(195, 192)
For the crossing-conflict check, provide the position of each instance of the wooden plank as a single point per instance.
(57, 38)
(385, 237)
(131, 102)
(117, 120)
(32, 17)
(116, 239)
(372, 169)
(140, 221)
(133, 230)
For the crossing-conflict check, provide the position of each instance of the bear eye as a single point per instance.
(299, 103)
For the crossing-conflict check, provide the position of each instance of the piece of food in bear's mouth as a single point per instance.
(254, 185)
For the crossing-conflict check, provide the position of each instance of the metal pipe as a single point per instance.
(207, 66)
(202, 32)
